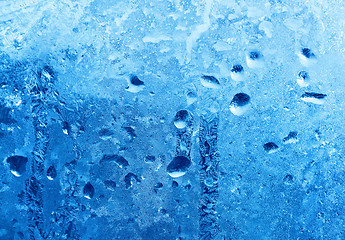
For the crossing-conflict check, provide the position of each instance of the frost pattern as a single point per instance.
(208, 136)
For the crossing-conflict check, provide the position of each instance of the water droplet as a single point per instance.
(191, 97)
(307, 57)
(255, 59)
(17, 164)
(135, 85)
(66, 128)
(209, 182)
(51, 173)
(150, 159)
(312, 97)
(271, 147)
(178, 166)
(88, 191)
(130, 131)
(174, 184)
(110, 184)
(240, 104)
(288, 179)
(158, 185)
(105, 134)
(181, 119)
(129, 180)
(163, 211)
(307, 53)
(136, 81)
(291, 138)
(210, 82)
(237, 73)
(303, 79)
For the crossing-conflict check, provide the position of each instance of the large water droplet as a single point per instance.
(181, 119)
(135, 84)
(17, 164)
(240, 104)
(178, 166)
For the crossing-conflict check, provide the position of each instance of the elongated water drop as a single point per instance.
(210, 82)
(88, 191)
(51, 173)
(271, 147)
(312, 97)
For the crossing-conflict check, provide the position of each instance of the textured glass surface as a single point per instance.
(172, 119)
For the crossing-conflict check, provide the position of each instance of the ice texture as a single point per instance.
(172, 119)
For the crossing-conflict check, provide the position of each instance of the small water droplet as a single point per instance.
(237, 73)
(150, 159)
(110, 184)
(51, 173)
(119, 160)
(191, 97)
(255, 59)
(174, 184)
(303, 79)
(291, 138)
(129, 179)
(210, 82)
(135, 85)
(288, 179)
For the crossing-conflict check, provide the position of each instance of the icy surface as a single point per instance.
(118, 119)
